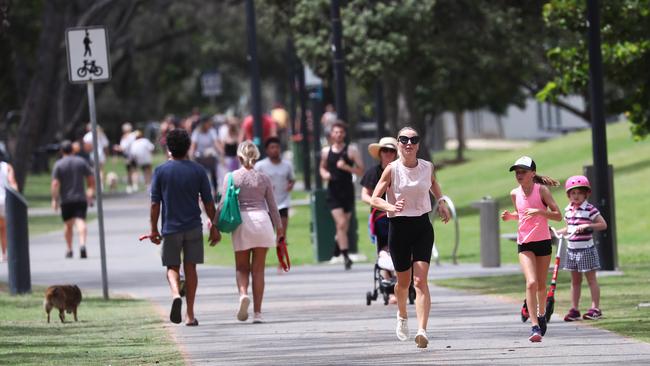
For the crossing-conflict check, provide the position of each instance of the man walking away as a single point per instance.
(69, 193)
(176, 188)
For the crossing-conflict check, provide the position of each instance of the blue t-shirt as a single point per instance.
(178, 184)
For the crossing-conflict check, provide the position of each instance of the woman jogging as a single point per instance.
(407, 183)
(534, 206)
(582, 219)
(254, 236)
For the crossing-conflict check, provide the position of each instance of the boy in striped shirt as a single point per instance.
(582, 219)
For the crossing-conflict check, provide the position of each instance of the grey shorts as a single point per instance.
(189, 242)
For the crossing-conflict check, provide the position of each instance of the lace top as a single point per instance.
(255, 193)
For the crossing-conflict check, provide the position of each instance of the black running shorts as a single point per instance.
(410, 239)
(340, 195)
(539, 248)
(74, 210)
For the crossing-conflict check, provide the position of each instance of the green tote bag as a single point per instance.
(230, 218)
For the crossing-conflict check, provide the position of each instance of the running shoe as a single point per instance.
(402, 329)
(257, 318)
(593, 314)
(244, 302)
(542, 324)
(572, 315)
(348, 264)
(68, 254)
(535, 334)
(82, 253)
(421, 338)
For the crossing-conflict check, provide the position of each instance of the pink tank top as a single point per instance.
(536, 227)
(412, 185)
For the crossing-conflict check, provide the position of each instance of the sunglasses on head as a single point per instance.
(405, 139)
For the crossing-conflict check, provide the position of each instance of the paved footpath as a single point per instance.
(316, 315)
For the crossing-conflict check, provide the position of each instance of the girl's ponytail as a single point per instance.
(547, 181)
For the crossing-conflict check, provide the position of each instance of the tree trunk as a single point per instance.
(392, 105)
(37, 102)
(416, 118)
(459, 119)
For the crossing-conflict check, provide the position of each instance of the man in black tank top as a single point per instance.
(338, 163)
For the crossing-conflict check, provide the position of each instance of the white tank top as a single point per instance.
(411, 184)
(4, 181)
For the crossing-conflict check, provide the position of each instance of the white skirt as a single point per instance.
(255, 231)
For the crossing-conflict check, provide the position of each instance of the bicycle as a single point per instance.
(89, 68)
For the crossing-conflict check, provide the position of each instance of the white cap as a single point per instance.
(524, 162)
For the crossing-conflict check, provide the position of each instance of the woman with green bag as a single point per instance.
(255, 235)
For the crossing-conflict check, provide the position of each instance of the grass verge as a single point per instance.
(301, 250)
(620, 296)
(47, 223)
(120, 331)
(486, 174)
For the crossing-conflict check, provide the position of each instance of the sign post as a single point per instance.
(87, 49)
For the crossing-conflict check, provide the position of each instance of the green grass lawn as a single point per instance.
(45, 224)
(486, 174)
(560, 158)
(300, 247)
(620, 296)
(115, 332)
(37, 186)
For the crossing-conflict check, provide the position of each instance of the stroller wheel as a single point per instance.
(386, 297)
(368, 298)
(411, 295)
(374, 295)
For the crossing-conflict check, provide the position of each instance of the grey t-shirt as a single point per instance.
(71, 172)
(205, 142)
(280, 175)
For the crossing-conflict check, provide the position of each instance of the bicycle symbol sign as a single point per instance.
(88, 55)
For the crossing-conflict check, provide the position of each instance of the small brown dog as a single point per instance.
(63, 297)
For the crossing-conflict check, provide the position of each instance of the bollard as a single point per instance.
(489, 217)
(322, 226)
(18, 243)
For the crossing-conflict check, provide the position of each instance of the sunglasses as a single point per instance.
(405, 139)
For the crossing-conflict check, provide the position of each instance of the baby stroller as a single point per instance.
(384, 278)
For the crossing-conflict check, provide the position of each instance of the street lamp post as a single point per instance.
(256, 99)
(601, 185)
(338, 60)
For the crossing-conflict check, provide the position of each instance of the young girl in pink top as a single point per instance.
(534, 206)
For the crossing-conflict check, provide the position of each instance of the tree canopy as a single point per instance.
(625, 33)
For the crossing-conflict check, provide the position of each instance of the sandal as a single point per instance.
(194, 323)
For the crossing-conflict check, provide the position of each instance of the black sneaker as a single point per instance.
(337, 251)
(83, 253)
(542, 323)
(535, 334)
(68, 254)
(348, 263)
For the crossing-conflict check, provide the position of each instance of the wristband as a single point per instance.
(442, 198)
